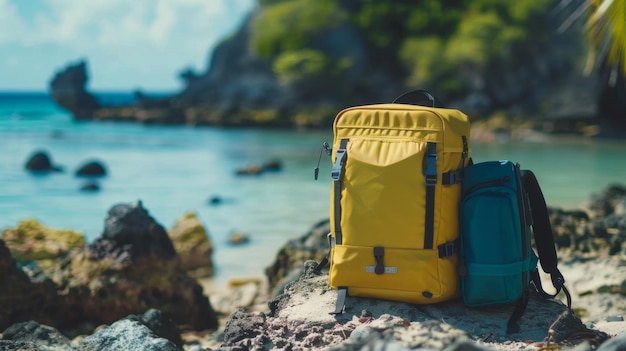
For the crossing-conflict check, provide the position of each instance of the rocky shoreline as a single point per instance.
(130, 289)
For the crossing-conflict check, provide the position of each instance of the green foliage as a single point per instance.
(307, 66)
(422, 57)
(292, 25)
(479, 35)
(425, 42)
(477, 41)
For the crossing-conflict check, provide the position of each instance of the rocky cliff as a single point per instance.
(240, 88)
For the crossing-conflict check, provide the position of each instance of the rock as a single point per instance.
(68, 90)
(255, 169)
(615, 344)
(92, 168)
(90, 187)
(126, 334)
(290, 259)
(597, 230)
(605, 202)
(249, 170)
(215, 200)
(41, 335)
(193, 246)
(31, 241)
(160, 324)
(272, 165)
(130, 269)
(130, 233)
(297, 319)
(22, 299)
(241, 293)
(237, 238)
(9, 345)
(40, 161)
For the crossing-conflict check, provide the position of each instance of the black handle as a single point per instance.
(415, 97)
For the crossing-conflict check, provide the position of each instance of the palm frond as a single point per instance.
(606, 27)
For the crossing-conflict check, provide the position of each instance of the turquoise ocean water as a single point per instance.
(176, 169)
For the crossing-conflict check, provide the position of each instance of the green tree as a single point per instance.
(293, 25)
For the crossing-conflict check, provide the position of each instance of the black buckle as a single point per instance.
(431, 169)
(379, 253)
(448, 249)
(337, 167)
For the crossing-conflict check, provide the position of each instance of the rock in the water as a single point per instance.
(92, 169)
(238, 238)
(40, 161)
(90, 187)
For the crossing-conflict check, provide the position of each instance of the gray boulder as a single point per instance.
(299, 319)
(126, 334)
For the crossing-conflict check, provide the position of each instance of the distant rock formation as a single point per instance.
(68, 90)
(239, 88)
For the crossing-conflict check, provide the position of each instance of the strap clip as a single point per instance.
(430, 173)
(447, 249)
(452, 177)
(379, 253)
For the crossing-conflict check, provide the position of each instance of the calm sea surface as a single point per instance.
(176, 169)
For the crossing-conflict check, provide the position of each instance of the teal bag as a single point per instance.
(502, 209)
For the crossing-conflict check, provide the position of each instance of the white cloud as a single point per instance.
(119, 37)
(114, 22)
(10, 23)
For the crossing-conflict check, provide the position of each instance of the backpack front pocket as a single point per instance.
(491, 275)
(416, 276)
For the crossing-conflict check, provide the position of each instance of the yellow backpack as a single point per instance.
(396, 187)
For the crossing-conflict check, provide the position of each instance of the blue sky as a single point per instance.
(128, 44)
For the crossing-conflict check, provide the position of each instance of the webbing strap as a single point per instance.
(452, 177)
(448, 249)
(544, 240)
(519, 310)
(340, 304)
(321, 264)
(336, 173)
(430, 174)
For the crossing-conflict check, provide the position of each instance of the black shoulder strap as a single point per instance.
(544, 240)
(544, 237)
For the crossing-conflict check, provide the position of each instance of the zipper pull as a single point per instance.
(326, 148)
